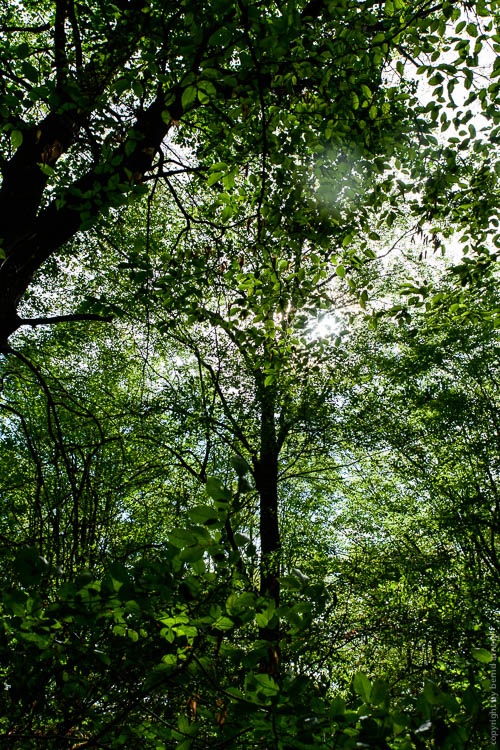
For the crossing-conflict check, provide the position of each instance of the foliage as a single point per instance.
(224, 525)
(117, 659)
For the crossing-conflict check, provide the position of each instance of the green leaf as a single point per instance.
(188, 97)
(181, 538)
(224, 623)
(16, 602)
(192, 554)
(45, 169)
(337, 707)
(227, 212)
(242, 539)
(30, 565)
(366, 91)
(432, 693)
(30, 72)
(362, 686)
(266, 684)
(264, 618)
(203, 98)
(213, 178)
(482, 655)
(121, 85)
(206, 91)
(138, 89)
(380, 692)
(228, 181)
(22, 50)
(208, 87)
(130, 146)
(16, 138)
(220, 166)
(216, 490)
(240, 466)
(203, 514)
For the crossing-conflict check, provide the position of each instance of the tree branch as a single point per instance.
(60, 58)
(63, 319)
(76, 35)
(26, 29)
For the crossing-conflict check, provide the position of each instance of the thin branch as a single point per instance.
(26, 29)
(76, 35)
(258, 73)
(51, 413)
(60, 58)
(64, 319)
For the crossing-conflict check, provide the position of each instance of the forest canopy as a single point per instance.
(249, 312)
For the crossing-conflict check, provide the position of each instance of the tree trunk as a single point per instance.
(266, 479)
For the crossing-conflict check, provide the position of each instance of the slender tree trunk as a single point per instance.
(269, 531)
(266, 476)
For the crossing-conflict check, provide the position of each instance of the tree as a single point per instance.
(90, 94)
(418, 532)
(164, 646)
(277, 180)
